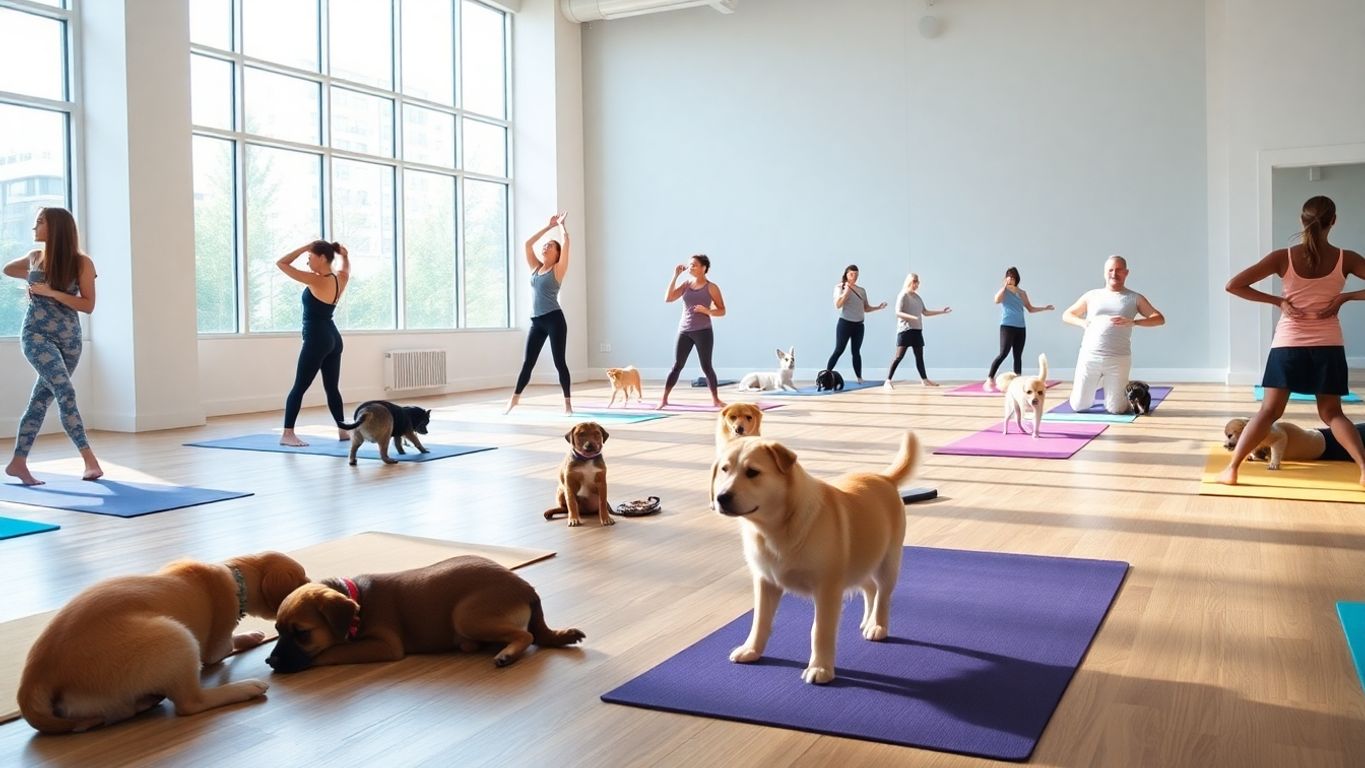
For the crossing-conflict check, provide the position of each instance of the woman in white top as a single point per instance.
(910, 314)
(851, 301)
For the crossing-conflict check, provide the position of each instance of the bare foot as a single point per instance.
(930, 383)
(718, 403)
(662, 405)
(988, 386)
(511, 403)
(860, 381)
(343, 434)
(289, 438)
(92, 472)
(888, 385)
(568, 407)
(19, 468)
(1362, 478)
(1229, 476)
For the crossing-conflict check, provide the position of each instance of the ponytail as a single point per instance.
(1318, 215)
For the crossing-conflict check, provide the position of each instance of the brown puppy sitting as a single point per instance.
(380, 421)
(1286, 441)
(122, 645)
(814, 538)
(737, 420)
(457, 603)
(623, 380)
(583, 477)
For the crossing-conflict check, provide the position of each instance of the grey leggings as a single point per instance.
(51, 340)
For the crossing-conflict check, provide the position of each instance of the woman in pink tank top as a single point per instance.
(1308, 354)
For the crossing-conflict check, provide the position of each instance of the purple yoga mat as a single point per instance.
(1158, 394)
(601, 405)
(982, 647)
(1058, 441)
(978, 389)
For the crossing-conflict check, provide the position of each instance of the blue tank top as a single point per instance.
(315, 310)
(36, 275)
(544, 293)
(1012, 310)
(695, 297)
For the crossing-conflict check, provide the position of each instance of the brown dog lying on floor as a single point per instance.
(1286, 442)
(583, 477)
(810, 537)
(737, 420)
(623, 380)
(122, 645)
(457, 603)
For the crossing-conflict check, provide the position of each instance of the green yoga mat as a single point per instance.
(1352, 617)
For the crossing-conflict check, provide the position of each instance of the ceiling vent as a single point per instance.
(595, 10)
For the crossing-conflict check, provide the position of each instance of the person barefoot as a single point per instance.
(290, 439)
(18, 467)
(547, 318)
(325, 279)
(702, 301)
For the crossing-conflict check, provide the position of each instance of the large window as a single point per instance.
(37, 110)
(381, 124)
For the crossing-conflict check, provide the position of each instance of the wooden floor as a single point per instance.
(1222, 648)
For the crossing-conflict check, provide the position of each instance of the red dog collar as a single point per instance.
(353, 592)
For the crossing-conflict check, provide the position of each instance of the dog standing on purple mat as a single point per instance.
(814, 538)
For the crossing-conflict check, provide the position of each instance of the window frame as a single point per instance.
(326, 82)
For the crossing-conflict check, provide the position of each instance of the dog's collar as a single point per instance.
(580, 457)
(353, 592)
(241, 591)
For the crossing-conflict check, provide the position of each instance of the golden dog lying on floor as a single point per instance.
(126, 643)
(814, 538)
(457, 603)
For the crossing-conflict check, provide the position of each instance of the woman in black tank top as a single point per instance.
(322, 345)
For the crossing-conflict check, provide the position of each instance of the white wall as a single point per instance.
(1281, 76)
(796, 136)
(1345, 184)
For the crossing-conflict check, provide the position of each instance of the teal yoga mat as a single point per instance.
(1352, 617)
(11, 528)
(322, 446)
(1300, 397)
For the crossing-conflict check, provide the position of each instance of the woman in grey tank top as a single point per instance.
(851, 301)
(547, 319)
(701, 302)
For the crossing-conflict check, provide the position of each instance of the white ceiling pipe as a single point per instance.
(594, 10)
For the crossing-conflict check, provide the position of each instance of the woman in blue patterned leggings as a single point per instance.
(61, 283)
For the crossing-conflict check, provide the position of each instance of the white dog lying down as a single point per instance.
(768, 382)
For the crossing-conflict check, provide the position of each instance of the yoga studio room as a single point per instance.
(752, 383)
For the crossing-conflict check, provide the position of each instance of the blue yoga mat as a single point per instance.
(1352, 617)
(111, 497)
(982, 647)
(849, 386)
(321, 446)
(1300, 397)
(527, 415)
(11, 528)
(1097, 413)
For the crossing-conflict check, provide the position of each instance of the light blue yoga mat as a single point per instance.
(1063, 412)
(110, 497)
(524, 415)
(323, 446)
(1300, 397)
(849, 386)
(11, 528)
(1352, 617)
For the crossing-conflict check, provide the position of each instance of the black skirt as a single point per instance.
(911, 338)
(1307, 370)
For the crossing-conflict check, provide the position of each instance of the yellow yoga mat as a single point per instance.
(1298, 480)
(370, 552)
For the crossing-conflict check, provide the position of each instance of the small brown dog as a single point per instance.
(1286, 441)
(457, 603)
(380, 421)
(737, 420)
(122, 645)
(815, 538)
(583, 477)
(623, 380)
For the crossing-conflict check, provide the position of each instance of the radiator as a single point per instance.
(414, 369)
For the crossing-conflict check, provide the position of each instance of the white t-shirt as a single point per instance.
(1103, 338)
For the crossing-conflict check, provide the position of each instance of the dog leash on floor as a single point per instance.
(638, 507)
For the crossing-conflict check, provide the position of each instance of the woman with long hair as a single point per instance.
(61, 284)
(1308, 352)
(324, 282)
(547, 319)
(1013, 303)
(851, 301)
(701, 302)
(910, 314)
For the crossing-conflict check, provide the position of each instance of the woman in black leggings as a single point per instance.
(547, 319)
(701, 302)
(1013, 304)
(321, 340)
(851, 301)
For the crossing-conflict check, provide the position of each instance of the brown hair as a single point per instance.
(325, 249)
(843, 280)
(61, 249)
(704, 261)
(1014, 273)
(1318, 216)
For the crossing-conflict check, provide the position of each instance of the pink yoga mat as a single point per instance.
(601, 405)
(977, 389)
(1058, 441)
